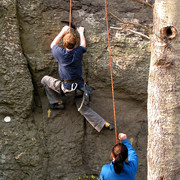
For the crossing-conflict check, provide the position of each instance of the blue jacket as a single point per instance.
(129, 170)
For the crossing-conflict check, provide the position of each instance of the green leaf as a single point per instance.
(92, 176)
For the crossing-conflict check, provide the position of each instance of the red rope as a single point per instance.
(70, 12)
(109, 47)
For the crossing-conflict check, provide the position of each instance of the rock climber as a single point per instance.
(70, 70)
(125, 162)
(69, 65)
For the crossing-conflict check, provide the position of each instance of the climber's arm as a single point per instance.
(82, 37)
(64, 31)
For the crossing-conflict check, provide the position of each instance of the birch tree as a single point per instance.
(164, 93)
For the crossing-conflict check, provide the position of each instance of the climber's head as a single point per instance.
(69, 41)
(119, 154)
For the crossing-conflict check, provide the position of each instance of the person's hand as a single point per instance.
(122, 136)
(80, 30)
(65, 30)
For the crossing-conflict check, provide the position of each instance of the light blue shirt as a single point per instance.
(129, 170)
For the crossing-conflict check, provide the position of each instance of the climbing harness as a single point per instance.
(68, 86)
(112, 86)
(73, 88)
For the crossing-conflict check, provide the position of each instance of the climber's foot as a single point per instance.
(109, 126)
(59, 105)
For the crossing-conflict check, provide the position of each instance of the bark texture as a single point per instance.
(164, 93)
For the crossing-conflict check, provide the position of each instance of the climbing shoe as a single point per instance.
(109, 126)
(59, 105)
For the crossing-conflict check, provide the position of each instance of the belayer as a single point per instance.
(124, 165)
(71, 80)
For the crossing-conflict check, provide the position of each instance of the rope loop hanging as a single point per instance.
(109, 48)
(112, 84)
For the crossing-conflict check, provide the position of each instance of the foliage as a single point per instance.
(88, 177)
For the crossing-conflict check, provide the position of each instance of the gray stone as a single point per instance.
(39, 144)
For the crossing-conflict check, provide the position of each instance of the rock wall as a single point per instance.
(39, 144)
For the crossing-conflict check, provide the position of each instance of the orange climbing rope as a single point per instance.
(109, 47)
(70, 12)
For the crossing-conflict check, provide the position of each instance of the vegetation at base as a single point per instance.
(88, 177)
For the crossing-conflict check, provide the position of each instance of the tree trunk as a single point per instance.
(164, 93)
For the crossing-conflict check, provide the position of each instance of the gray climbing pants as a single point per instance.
(53, 91)
(52, 88)
(91, 116)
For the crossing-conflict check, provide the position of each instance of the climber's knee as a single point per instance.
(44, 80)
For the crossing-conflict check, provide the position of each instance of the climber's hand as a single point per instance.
(80, 30)
(65, 30)
(122, 136)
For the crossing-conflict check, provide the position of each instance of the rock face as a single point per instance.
(39, 144)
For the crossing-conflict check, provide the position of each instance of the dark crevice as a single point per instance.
(21, 44)
(84, 141)
(35, 93)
